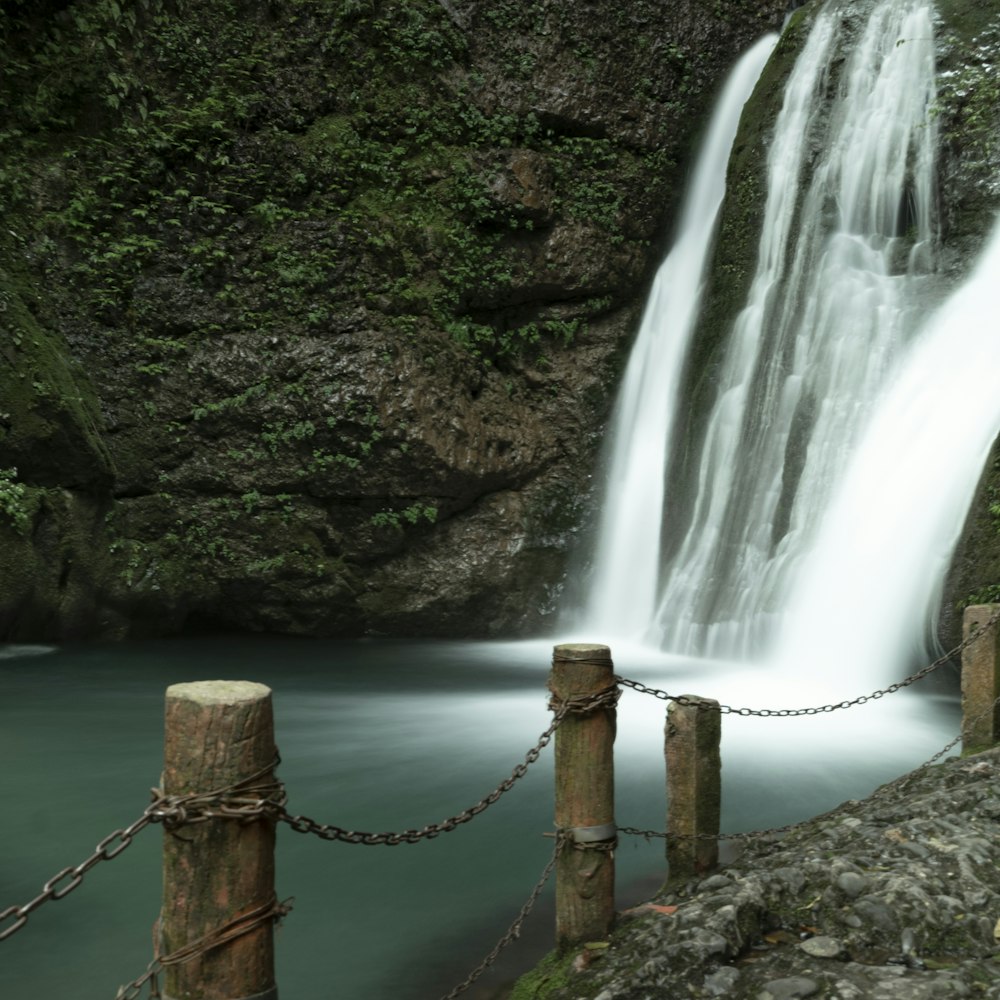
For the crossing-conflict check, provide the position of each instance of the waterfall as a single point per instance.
(838, 290)
(899, 509)
(800, 518)
(623, 595)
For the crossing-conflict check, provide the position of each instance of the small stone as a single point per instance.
(822, 946)
(792, 877)
(710, 942)
(852, 884)
(792, 988)
(715, 882)
(876, 913)
(719, 984)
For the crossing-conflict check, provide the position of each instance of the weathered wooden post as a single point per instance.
(980, 679)
(585, 794)
(218, 733)
(694, 786)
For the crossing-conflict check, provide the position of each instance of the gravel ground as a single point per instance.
(895, 897)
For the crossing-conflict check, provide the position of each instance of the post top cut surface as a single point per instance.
(218, 692)
(581, 651)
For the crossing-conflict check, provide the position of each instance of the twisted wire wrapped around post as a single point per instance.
(271, 911)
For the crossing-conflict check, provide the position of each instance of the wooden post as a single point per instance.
(217, 734)
(980, 680)
(584, 797)
(694, 787)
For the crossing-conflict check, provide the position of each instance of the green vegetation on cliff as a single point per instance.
(362, 259)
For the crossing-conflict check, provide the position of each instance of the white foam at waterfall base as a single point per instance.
(901, 506)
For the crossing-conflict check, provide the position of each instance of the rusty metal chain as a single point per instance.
(710, 706)
(245, 800)
(749, 835)
(513, 932)
(789, 827)
(966, 725)
(254, 797)
(562, 708)
(64, 882)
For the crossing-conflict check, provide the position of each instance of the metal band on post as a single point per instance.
(591, 834)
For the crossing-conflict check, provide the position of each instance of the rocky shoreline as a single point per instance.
(894, 897)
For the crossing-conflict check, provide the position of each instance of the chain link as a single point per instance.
(513, 932)
(789, 827)
(64, 882)
(254, 797)
(710, 706)
(576, 705)
(245, 800)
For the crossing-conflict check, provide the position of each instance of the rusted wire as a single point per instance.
(269, 912)
(328, 831)
(789, 827)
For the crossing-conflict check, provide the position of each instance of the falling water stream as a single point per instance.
(628, 554)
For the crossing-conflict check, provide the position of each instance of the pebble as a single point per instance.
(719, 984)
(715, 882)
(710, 942)
(792, 988)
(822, 946)
(852, 884)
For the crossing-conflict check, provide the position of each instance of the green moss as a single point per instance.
(50, 427)
(554, 972)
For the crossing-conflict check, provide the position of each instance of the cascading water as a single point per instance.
(829, 309)
(628, 552)
(778, 544)
(899, 509)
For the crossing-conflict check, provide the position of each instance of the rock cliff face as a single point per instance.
(312, 310)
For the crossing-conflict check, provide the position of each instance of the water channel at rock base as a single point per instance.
(386, 735)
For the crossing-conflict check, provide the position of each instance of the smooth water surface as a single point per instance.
(381, 735)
